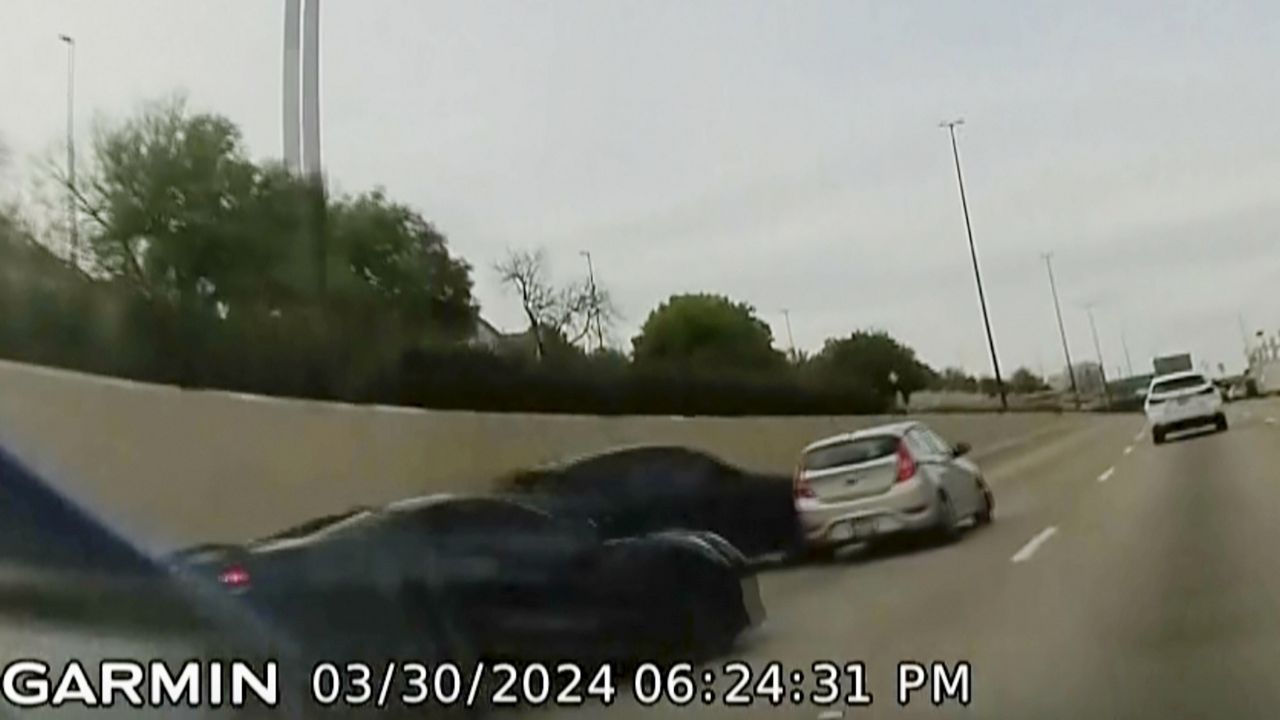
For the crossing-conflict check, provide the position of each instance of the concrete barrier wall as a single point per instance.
(172, 466)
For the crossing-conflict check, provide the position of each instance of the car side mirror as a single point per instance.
(961, 448)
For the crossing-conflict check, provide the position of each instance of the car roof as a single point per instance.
(422, 502)
(623, 451)
(896, 429)
(419, 502)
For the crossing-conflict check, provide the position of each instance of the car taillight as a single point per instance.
(800, 487)
(1154, 400)
(234, 577)
(906, 463)
(1208, 391)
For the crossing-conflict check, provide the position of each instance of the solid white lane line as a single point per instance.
(1128, 449)
(1033, 544)
(1138, 437)
(1106, 475)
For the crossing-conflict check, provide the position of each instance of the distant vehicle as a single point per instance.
(1182, 400)
(643, 489)
(883, 480)
(487, 577)
(1169, 364)
(1265, 375)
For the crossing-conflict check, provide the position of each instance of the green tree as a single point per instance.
(163, 191)
(956, 380)
(1024, 381)
(987, 386)
(873, 357)
(387, 258)
(706, 332)
(177, 208)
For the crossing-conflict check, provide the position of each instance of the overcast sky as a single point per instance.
(783, 153)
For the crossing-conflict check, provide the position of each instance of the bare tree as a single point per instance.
(572, 311)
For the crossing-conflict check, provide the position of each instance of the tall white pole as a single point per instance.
(311, 89)
(290, 89)
(74, 225)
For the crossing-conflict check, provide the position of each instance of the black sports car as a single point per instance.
(643, 489)
(488, 577)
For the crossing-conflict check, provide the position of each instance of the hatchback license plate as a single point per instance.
(853, 530)
(864, 528)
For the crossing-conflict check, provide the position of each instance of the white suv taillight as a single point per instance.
(800, 487)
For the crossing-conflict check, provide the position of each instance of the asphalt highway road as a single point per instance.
(1120, 580)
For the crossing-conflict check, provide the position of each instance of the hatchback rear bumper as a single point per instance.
(1188, 423)
(906, 507)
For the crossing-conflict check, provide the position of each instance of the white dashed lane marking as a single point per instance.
(1128, 450)
(1106, 475)
(1033, 545)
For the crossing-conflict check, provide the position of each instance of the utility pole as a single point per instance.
(1106, 391)
(74, 229)
(1244, 338)
(1124, 342)
(973, 253)
(791, 342)
(1062, 331)
(594, 313)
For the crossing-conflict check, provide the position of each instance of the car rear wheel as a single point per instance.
(1220, 422)
(948, 528)
(986, 513)
(711, 629)
(1157, 436)
(820, 553)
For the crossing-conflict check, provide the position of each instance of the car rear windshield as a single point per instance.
(850, 453)
(1182, 383)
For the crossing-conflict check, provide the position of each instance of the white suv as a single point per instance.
(1182, 400)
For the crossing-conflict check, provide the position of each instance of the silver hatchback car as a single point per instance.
(883, 480)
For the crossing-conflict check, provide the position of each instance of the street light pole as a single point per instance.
(1244, 338)
(1062, 330)
(791, 342)
(1106, 391)
(594, 316)
(74, 230)
(973, 253)
(1124, 342)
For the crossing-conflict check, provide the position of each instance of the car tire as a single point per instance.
(1220, 422)
(711, 631)
(986, 513)
(1157, 436)
(820, 553)
(948, 527)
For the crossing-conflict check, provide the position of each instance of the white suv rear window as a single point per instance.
(1182, 383)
